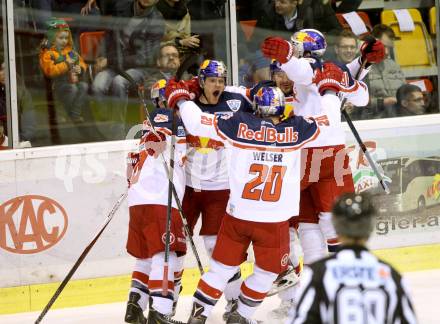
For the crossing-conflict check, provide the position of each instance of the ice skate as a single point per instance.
(154, 317)
(228, 308)
(134, 313)
(196, 314)
(236, 318)
(285, 280)
(283, 309)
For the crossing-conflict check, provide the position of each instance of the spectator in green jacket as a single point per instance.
(384, 78)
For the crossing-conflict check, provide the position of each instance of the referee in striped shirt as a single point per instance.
(353, 286)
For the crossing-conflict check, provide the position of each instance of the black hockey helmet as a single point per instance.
(353, 215)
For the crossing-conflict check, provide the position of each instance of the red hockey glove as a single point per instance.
(154, 144)
(278, 49)
(176, 91)
(372, 50)
(330, 77)
(193, 86)
(132, 160)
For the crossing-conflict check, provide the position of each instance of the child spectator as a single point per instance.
(61, 63)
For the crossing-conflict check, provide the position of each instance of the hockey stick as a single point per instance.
(169, 207)
(190, 61)
(356, 135)
(81, 258)
(182, 68)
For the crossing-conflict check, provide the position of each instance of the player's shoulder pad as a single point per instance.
(314, 62)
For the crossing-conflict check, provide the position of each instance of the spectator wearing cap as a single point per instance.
(384, 78)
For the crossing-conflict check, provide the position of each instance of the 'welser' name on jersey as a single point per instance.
(269, 157)
(268, 135)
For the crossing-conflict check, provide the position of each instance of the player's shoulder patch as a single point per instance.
(234, 104)
(181, 131)
(161, 118)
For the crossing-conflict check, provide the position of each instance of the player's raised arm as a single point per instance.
(372, 52)
(196, 122)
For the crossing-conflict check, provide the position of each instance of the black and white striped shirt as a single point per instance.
(353, 287)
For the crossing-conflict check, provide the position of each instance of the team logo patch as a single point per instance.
(231, 209)
(172, 238)
(234, 104)
(160, 118)
(284, 260)
(180, 131)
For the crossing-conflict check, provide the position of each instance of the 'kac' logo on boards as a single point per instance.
(31, 224)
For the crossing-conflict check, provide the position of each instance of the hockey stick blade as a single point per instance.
(81, 258)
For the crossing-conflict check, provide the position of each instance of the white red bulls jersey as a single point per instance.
(206, 166)
(263, 159)
(308, 100)
(149, 180)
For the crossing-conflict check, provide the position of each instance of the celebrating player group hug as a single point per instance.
(261, 166)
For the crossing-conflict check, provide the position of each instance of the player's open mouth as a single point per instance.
(216, 93)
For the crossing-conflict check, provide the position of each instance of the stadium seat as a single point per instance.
(362, 14)
(413, 49)
(248, 27)
(90, 43)
(424, 84)
(433, 20)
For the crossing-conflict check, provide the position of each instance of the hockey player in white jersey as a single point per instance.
(207, 186)
(264, 170)
(147, 201)
(353, 285)
(323, 178)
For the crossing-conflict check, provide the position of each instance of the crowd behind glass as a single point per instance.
(74, 58)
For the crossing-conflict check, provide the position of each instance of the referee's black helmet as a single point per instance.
(353, 215)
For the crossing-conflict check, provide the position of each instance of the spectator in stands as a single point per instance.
(346, 47)
(410, 102)
(167, 63)
(178, 26)
(288, 16)
(293, 15)
(130, 46)
(26, 111)
(60, 62)
(342, 6)
(384, 78)
(254, 69)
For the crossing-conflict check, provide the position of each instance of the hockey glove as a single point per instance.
(194, 88)
(372, 50)
(329, 78)
(176, 91)
(278, 49)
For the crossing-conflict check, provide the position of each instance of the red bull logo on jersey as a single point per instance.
(268, 135)
(204, 145)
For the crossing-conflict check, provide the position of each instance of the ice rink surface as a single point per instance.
(425, 287)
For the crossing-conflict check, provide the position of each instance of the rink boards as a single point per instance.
(54, 200)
